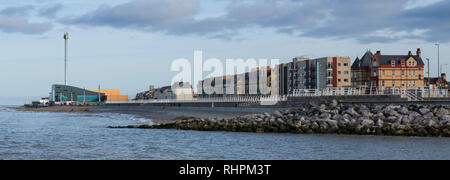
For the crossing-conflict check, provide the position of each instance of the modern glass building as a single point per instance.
(62, 93)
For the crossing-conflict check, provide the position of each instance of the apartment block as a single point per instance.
(321, 73)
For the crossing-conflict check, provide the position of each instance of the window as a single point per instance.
(403, 72)
(420, 77)
(414, 73)
(375, 73)
(345, 72)
(414, 83)
(339, 80)
(403, 83)
(339, 72)
(403, 63)
(345, 80)
(393, 83)
(345, 64)
(393, 63)
(384, 73)
(410, 73)
(382, 83)
(393, 72)
(410, 63)
(339, 64)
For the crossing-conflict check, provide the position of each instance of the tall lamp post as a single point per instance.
(439, 65)
(428, 82)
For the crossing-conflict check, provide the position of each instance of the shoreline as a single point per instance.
(331, 118)
(58, 109)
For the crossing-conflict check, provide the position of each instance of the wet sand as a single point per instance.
(160, 115)
(59, 109)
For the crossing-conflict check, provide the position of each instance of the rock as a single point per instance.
(367, 123)
(277, 114)
(413, 114)
(424, 111)
(337, 117)
(333, 124)
(380, 123)
(391, 119)
(406, 120)
(325, 115)
(430, 123)
(441, 112)
(428, 115)
(403, 110)
(365, 113)
(352, 112)
(334, 103)
(445, 119)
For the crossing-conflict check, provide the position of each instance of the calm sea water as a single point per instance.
(26, 135)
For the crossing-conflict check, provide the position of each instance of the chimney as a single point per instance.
(379, 53)
(409, 53)
(419, 52)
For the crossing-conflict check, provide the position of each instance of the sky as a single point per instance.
(130, 44)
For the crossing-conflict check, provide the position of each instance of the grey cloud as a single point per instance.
(51, 11)
(140, 14)
(17, 10)
(22, 25)
(349, 19)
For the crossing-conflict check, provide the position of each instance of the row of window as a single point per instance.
(411, 63)
(410, 83)
(411, 72)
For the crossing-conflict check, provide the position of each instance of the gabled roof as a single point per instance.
(356, 63)
(365, 60)
(386, 59)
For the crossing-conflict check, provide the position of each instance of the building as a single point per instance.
(437, 82)
(257, 82)
(112, 94)
(378, 71)
(321, 73)
(63, 93)
(178, 91)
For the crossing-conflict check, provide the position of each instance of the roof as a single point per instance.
(386, 59)
(356, 63)
(365, 60)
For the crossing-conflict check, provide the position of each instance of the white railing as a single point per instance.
(244, 99)
(418, 94)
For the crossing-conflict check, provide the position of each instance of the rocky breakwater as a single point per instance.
(332, 118)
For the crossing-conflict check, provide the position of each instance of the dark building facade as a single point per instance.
(62, 93)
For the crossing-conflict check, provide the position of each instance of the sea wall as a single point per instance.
(330, 118)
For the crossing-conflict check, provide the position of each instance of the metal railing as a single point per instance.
(418, 94)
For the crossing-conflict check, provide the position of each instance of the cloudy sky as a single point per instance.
(130, 44)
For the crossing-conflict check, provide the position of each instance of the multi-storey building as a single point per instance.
(321, 73)
(389, 71)
(254, 83)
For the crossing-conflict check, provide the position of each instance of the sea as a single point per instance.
(61, 136)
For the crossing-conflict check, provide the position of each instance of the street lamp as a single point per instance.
(428, 60)
(439, 65)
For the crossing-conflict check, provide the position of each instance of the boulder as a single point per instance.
(428, 115)
(445, 119)
(424, 111)
(380, 123)
(367, 123)
(441, 112)
(333, 124)
(406, 120)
